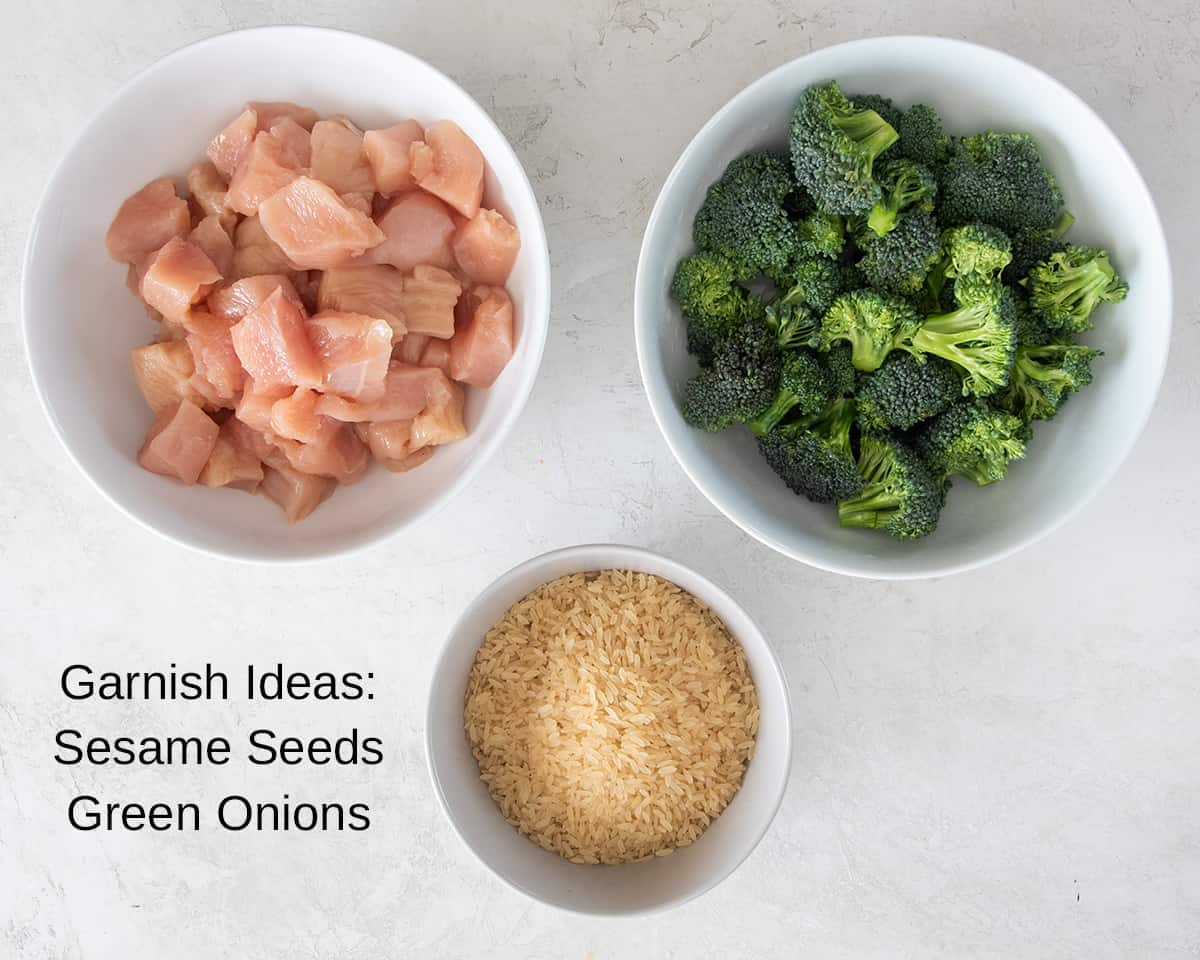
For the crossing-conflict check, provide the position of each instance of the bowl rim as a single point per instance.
(579, 553)
(488, 446)
(662, 405)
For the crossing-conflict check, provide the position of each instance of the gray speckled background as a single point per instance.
(1003, 764)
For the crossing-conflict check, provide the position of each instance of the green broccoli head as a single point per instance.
(973, 440)
(900, 261)
(1065, 289)
(1031, 247)
(884, 106)
(744, 215)
(834, 144)
(979, 337)
(870, 322)
(805, 388)
(820, 235)
(793, 324)
(975, 248)
(813, 456)
(998, 178)
(814, 283)
(1043, 377)
(843, 376)
(741, 382)
(900, 494)
(905, 391)
(906, 185)
(923, 138)
(706, 288)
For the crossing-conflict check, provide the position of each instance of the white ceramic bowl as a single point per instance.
(1071, 458)
(613, 890)
(80, 322)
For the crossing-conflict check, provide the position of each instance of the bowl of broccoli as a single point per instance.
(921, 313)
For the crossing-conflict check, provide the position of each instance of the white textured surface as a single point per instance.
(1000, 764)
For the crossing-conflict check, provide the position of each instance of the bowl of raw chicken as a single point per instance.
(278, 263)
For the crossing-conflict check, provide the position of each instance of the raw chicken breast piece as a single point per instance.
(211, 237)
(178, 276)
(179, 442)
(271, 112)
(233, 301)
(376, 290)
(299, 494)
(219, 375)
(254, 407)
(388, 153)
(390, 442)
(208, 190)
(418, 229)
(412, 348)
(486, 246)
(334, 452)
(146, 220)
(232, 464)
(407, 390)
(483, 344)
(338, 159)
(314, 228)
(267, 167)
(354, 349)
(295, 417)
(230, 145)
(428, 301)
(437, 354)
(442, 419)
(449, 165)
(272, 345)
(163, 372)
(255, 253)
(295, 143)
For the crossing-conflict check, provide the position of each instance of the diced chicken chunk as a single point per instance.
(407, 391)
(147, 220)
(314, 228)
(239, 298)
(230, 145)
(412, 348)
(219, 374)
(295, 417)
(231, 463)
(418, 229)
(437, 354)
(486, 246)
(272, 345)
(208, 190)
(299, 494)
(179, 442)
(483, 344)
(390, 442)
(178, 276)
(449, 165)
(376, 290)
(211, 237)
(355, 350)
(388, 153)
(295, 143)
(254, 406)
(163, 372)
(255, 253)
(272, 111)
(335, 451)
(338, 158)
(428, 301)
(267, 167)
(441, 421)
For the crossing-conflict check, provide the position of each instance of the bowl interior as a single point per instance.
(81, 322)
(1070, 458)
(628, 888)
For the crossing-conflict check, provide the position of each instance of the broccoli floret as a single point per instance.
(705, 286)
(1030, 247)
(998, 178)
(905, 391)
(1043, 377)
(870, 322)
(979, 337)
(834, 145)
(813, 283)
(884, 106)
(1065, 289)
(805, 388)
(813, 455)
(975, 248)
(923, 138)
(973, 440)
(1031, 328)
(843, 377)
(899, 494)
(740, 383)
(906, 185)
(793, 324)
(744, 214)
(899, 262)
(820, 235)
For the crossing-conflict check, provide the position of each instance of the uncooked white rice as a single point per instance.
(612, 716)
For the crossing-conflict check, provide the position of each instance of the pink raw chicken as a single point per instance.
(354, 350)
(299, 494)
(255, 253)
(219, 374)
(483, 344)
(376, 290)
(390, 442)
(239, 298)
(412, 348)
(437, 354)
(314, 228)
(178, 276)
(449, 165)
(338, 159)
(271, 112)
(295, 143)
(418, 229)
(254, 406)
(428, 301)
(163, 372)
(273, 347)
(211, 237)
(179, 442)
(486, 247)
(295, 417)
(442, 419)
(230, 145)
(388, 153)
(267, 167)
(335, 451)
(147, 220)
(231, 464)
(407, 391)
(209, 190)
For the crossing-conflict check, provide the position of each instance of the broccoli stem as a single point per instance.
(770, 418)
(871, 509)
(869, 130)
